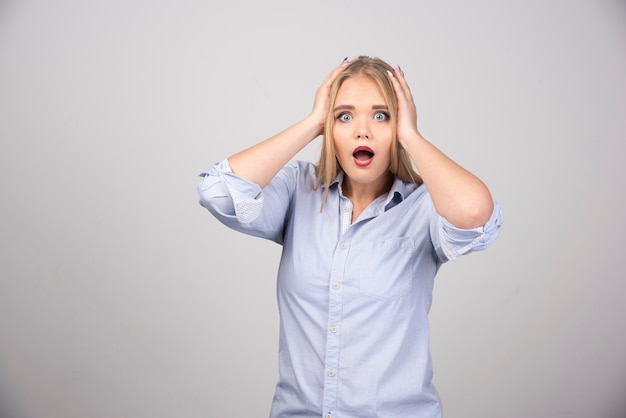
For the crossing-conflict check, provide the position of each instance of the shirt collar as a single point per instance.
(337, 180)
(397, 193)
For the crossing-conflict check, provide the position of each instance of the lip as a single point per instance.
(363, 163)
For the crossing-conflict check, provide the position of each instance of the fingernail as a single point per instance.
(345, 61)
(390, 73)
(400, 69)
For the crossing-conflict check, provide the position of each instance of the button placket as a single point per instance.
(335, 309)
(346, 214)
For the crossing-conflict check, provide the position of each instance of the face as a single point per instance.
(362, 134)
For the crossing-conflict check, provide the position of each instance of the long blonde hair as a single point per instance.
(328, 165)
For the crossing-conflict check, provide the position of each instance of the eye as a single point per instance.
(381, 116)
(344, 117)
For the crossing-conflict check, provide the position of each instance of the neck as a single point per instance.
(362, 194)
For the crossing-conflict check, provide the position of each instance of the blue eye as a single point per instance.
(381, 116)
(344, 117)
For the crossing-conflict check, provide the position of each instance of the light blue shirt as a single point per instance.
(354, 297)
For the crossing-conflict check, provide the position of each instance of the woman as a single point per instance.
(363, 236)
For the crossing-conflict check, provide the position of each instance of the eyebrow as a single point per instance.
(350, 107)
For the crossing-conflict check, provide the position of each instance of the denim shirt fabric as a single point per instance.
(354, 297)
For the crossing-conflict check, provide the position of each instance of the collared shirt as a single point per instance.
(353, 297)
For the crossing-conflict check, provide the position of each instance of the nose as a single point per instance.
(363, 131)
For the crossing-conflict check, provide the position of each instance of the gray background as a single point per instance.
(121, 297)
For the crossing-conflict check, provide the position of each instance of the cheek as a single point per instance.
(383, 130)
(339, 139)
(339, 131)
(387, 151)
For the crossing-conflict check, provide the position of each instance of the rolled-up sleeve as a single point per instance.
(242, 205)
(227, 195)
(451, 242)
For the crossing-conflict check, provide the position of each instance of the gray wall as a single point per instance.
(121, 297)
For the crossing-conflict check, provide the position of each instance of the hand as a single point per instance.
(407, 113)
(322, 97)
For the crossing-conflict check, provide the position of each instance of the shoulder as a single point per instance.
(412, 192)
(296, 175)
(415, 201)
(303, 166)
(300, 170)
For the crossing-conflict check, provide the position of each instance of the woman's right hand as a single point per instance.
(260, 163)
(322, 97)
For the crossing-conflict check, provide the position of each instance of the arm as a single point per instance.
(243, 206)
(261, 162)
(458, 195)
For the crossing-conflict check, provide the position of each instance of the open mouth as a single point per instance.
(363, 156)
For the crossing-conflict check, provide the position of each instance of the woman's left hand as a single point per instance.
(458, 195)
(407, 113)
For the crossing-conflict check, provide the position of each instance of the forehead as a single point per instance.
(358, 89)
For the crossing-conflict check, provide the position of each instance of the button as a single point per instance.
(331, 373)
(333, 330)
(343, 246)
(336, 286)
(329, 415)
(346, 209)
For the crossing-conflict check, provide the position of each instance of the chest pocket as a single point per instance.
(386, 268)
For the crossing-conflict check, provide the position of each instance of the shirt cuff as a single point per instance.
(457, 241)
(247, 196)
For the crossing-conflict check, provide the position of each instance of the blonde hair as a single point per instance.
(400, 166)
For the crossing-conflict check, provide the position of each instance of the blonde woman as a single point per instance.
(363, 237)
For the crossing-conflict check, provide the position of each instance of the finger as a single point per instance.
(323, 91)
(406, 105)
(333, 74)
(399, 74)
(400, 90)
